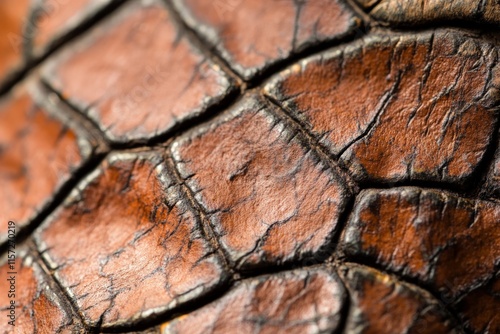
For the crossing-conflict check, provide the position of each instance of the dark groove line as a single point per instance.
(207, 229)
(480, 175)
(346, 307)
(206, 116)
(277, 66)
(201, 45)
(75, 115)
(357, 8)
(215, 295)
(30, 63)
(342, 225)
(186, 308)
(466, 25)
(218, 108)
(322, 152)
(57, 199)
(87, 23)
(467, 189)
(62, 294)
(364, 261)
(386, 100)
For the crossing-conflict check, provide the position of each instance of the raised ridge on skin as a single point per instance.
(288, 166)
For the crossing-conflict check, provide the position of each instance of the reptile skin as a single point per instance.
(250, 166)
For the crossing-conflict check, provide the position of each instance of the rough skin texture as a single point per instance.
(250, 166)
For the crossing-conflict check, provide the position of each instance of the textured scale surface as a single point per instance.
(251, 166)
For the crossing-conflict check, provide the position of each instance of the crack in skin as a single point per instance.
(316, 286)
(159, 82)
(282, 129)
(419, 12)
(107, 307)
(40, 308)
(39, 156)
(298, 26)
(415, 248)
(366, 151)
(423, 313)
(256, 147)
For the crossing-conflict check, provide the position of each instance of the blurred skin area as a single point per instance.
(12, 17)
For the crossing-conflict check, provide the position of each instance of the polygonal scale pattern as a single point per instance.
(149, 244)
(39, 305)
(137, 76)
(258, 184)
(424, 106)
(251, 166)
(446, 242)
(292, 302)
(419, 12)
(39, 154)
(285, 28)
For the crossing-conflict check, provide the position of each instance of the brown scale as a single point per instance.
(250, 166)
